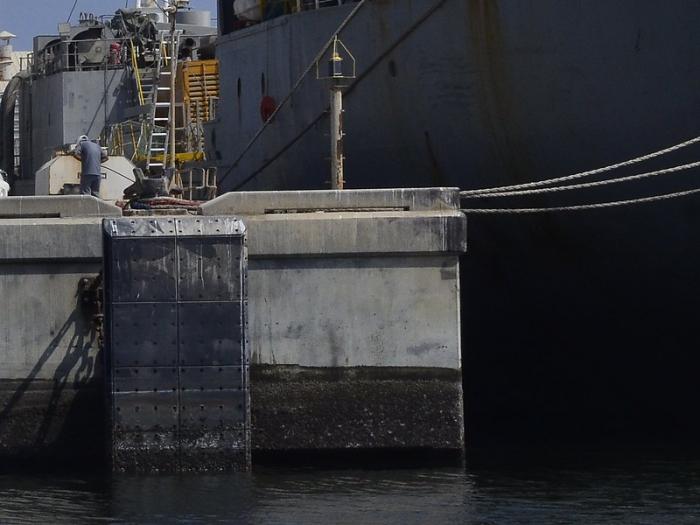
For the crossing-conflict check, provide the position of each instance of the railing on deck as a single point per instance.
(80, 55)
(268, 9)
(25, 62)
(303, 5)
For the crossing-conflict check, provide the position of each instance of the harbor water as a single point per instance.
(611, 488)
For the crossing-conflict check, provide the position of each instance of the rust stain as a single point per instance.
(496, 97)
(437, 176)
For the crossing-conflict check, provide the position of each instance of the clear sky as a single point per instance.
(27, 18)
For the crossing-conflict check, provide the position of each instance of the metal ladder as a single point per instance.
(157, 92)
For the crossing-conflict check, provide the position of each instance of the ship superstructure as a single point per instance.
(111, 78)
(11, 63)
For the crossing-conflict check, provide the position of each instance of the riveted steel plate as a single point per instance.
(146, 411)
(210, 333)
(195, 378)
(210, 227)
(210, 269)
(176, 343)
(211, 409)
(144, 334)
(145, 379)
(145, 399)
(143, 270)
(131, 227)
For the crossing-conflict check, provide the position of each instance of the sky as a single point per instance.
(27, 18)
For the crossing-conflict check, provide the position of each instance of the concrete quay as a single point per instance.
(353, 304)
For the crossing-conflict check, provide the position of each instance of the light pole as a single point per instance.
(338, 71)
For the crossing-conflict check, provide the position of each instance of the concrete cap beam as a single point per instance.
(275, 202)
(56, 206)
(48, 239)
(361, 233)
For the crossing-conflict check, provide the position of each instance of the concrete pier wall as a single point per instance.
(353, 308)
(354, 317)
(51, 401)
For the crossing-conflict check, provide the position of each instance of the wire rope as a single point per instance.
(582, 207)
(548, 182)
(467, 195)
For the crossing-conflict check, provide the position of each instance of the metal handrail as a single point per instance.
(80, 55)
(270, 9)
(309, 5)
(137, 72)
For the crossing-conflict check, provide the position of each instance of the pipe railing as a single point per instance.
(270, 9)
(81, 55)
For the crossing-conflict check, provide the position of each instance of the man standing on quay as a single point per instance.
(91, 157)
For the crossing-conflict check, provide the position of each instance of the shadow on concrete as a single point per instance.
(59, 418)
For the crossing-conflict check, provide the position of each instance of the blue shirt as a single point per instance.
(91, 157)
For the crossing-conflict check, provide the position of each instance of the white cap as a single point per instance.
(81, 138)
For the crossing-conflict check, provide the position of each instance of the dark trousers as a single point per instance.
(90, 185)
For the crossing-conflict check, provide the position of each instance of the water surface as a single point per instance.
(611, 489)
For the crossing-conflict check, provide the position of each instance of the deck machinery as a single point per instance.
(111, 78)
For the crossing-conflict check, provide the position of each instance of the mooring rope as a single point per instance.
(581, 186)
(596, 206)
(548, 182)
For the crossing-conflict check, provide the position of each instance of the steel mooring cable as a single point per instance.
(548, 182)
(581, 207)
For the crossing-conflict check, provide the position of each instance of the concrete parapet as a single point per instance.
(348, 222)
(56, 206)
(50, 240)
(270, 202)
(358, 233)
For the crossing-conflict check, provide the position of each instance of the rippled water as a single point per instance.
(595, 490)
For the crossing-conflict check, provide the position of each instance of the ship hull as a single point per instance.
(461, 93)
(577, 328)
